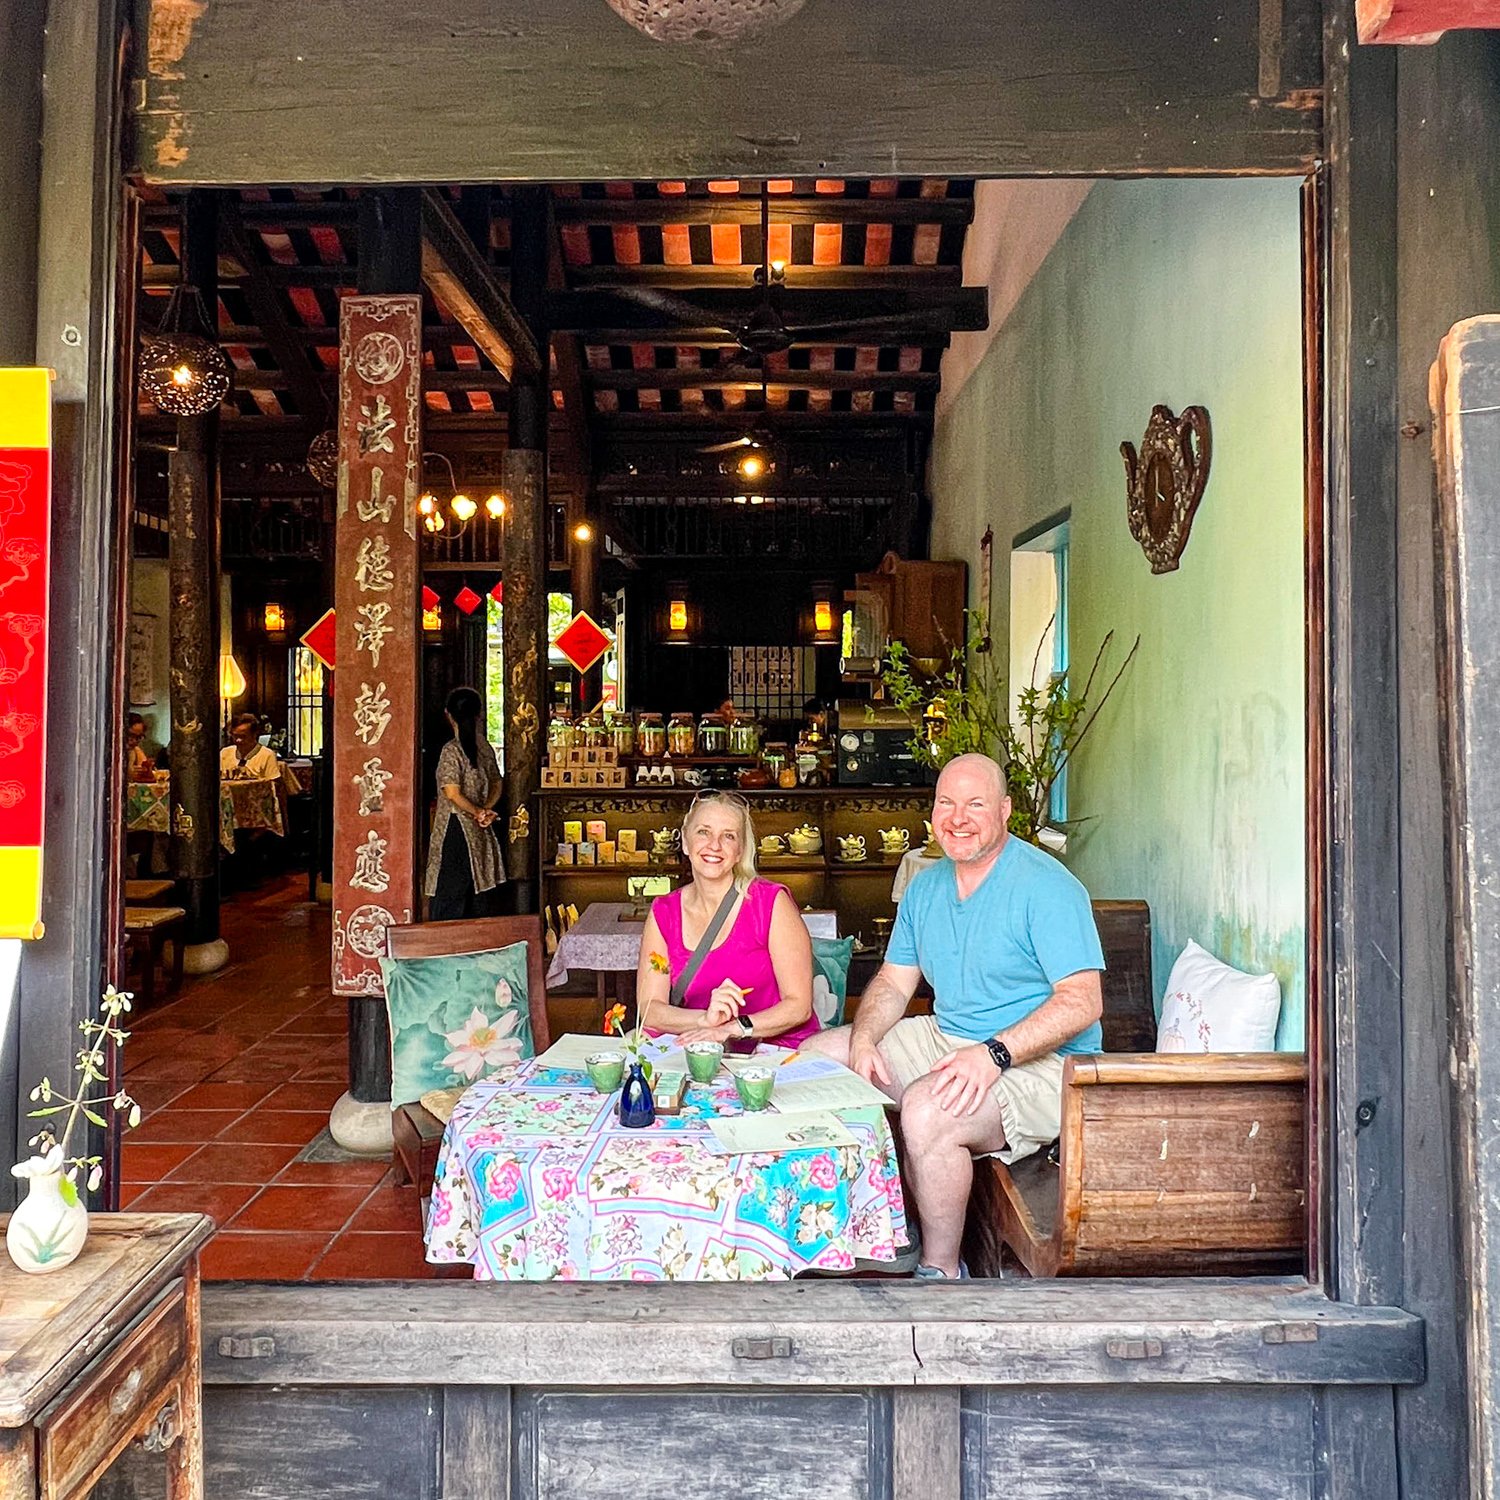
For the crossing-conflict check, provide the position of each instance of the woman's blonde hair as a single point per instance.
(744, 866)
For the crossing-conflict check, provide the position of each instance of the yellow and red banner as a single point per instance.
(25, 514)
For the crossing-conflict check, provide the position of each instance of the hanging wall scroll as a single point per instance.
(375, 625)
(1165, 482)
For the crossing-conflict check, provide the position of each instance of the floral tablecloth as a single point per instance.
(542, 1183)
(254, 803)
(147, 810)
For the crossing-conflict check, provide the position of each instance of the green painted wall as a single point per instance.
(1183, 293)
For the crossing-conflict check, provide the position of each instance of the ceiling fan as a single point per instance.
(765, 331)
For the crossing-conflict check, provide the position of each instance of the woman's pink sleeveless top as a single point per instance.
(744, 956)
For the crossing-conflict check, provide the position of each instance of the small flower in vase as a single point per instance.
(632, 1041)
(91, 1066)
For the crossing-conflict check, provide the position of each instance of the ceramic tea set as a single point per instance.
(803, 840)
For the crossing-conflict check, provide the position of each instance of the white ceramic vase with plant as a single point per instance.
(49, 1226)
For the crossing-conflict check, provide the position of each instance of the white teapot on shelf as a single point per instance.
(894, 840)
(805, 839)
(851, 847)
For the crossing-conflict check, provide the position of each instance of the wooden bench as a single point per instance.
(147, 892)
(1174, 1163)
(148, 929)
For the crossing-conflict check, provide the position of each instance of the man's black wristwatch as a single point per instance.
(999, 1052)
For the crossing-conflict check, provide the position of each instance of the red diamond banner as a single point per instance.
(582, 642)
(467, 600)
(319, 640)
(498, 592)
(430, 600)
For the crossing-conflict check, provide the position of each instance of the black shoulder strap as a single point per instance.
(683, 980)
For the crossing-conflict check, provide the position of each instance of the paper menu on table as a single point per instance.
(766, 1132)
(573, 1049)
(840, 1090)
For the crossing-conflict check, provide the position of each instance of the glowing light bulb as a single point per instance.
(434, 522)
(463, 507)
(583, 532)
(427, 504)
(752, 466)
(495, 506)
(778, 269)
(182, 375)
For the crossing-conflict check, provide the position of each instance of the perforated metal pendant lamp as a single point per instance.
(704, 21)
(181, 370)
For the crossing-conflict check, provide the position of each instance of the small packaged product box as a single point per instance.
(625, 841)
(596, 830)
(586, 851)
(606, 849)
(573, 830)
(669, 1090)
(565, 854)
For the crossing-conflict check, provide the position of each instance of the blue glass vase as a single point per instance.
(637, 1106)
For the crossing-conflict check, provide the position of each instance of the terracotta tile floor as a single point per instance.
(235, 1075)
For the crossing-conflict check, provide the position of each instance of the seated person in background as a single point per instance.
(245, 758)
(1006, 938)
(139, 764)
(727, 711)
(755, 981)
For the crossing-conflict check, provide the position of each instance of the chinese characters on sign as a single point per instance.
(25, 509)
(375, 627)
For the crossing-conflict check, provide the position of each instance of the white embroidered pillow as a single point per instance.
(1210, 1007)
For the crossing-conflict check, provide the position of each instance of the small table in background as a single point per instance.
(148, 810)
(912, 864)
(255, 804)
(101, 1354)
(606, 938)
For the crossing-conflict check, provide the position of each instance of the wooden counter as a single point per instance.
(101, 1354)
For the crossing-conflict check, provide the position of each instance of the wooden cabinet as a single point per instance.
(924, 603)
(858, 892)
(103, 1354)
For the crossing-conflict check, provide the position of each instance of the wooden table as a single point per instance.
(101, 1354)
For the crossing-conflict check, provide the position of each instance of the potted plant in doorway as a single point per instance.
(962, 708)
(49, 1226)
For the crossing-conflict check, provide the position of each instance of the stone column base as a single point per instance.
(363, 1128)
(205, 958)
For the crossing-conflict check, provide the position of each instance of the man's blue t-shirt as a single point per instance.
(995, 957)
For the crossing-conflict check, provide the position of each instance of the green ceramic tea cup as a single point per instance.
(606, 1070)
(703, 1059)
(754, 1085)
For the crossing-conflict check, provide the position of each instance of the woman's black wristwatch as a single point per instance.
(747, 1025)
(999, 1052)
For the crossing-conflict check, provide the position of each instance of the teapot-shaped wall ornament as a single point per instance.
(895, 840)
(1164, 483)
(851, 847)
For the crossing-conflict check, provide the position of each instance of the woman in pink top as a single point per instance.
(755, 983)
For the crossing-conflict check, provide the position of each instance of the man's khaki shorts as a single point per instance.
(1029, 1094)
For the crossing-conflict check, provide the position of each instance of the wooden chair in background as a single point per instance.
(416, 1132)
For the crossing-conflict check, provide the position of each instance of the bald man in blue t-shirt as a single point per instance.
(1006, 938)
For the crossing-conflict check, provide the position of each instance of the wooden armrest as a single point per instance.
(1185, 1068)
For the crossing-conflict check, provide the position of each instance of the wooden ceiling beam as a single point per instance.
(460, 277)
(785, 209)
(608, 317)
(636, 426)
(432, 380)
(776, 380)
(297, 215)
(739, 278)
(265, 306)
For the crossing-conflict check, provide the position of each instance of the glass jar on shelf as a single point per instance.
(561, 731)
(744, 737)
(774, 758)
(682, 736)
(620, 728)
(651, 735)
(713, 735)
(591, 732)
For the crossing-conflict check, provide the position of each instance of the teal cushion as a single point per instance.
(455, 1018)
(831, 964)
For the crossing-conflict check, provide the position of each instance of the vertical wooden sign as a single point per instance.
(375, 600)
(25, 511)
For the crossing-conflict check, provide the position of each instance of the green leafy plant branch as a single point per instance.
(962, 709)
(99, 1037)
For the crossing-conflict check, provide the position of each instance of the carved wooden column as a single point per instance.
(193, 581)
(524, 472)
(376, 717)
